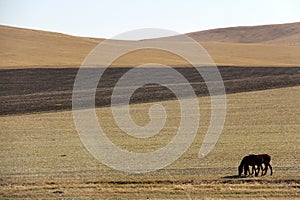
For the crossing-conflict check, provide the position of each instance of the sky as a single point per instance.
(108, 18)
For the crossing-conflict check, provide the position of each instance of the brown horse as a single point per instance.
(255, 160)
(265, 159)
(250, 160)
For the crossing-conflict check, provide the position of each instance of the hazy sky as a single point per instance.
(106, 18)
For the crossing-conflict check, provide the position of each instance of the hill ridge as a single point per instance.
(248, 34)
(27, 48)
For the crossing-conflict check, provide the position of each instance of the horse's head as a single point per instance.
(240, 169)
(243, 165)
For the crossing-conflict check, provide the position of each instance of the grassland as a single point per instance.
(25, 48)
(42, 156)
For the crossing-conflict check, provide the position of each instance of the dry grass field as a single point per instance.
(25, 48)
(42, 156)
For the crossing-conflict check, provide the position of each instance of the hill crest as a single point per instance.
(273, 33)
(236, 46)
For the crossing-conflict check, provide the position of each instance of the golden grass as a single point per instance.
(25, 48)
(237, 54)
(42, 156)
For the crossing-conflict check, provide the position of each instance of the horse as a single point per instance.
(265, 159)
(255, 160)
(250, 160)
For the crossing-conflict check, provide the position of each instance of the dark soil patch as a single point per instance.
(42, 90)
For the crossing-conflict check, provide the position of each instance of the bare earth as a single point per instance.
(40, 90)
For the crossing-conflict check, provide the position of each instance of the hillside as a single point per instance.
(278, 33)
(23, 48)
(269, 45)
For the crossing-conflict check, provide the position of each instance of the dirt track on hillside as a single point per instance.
(42, 90)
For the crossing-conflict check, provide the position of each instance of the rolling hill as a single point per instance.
(22, 48)
(269, 45)
(278, 33)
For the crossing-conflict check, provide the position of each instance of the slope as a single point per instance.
(239, 46)
(250, 34)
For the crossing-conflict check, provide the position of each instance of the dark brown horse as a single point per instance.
(250, 160)
(255, 161)
(265, 159)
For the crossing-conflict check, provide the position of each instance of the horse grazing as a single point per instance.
(265, 159)
(250, 160)
(255, 160)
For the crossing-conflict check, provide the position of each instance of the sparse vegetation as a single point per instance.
(25, 48)
(257, 122)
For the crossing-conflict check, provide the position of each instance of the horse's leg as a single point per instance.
(254, 170)
(251, 173)
(262, 169)
(266, 169)
(258, 169)
(246, 169)
(270, 169)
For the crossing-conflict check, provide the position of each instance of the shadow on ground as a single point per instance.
(234, 176)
